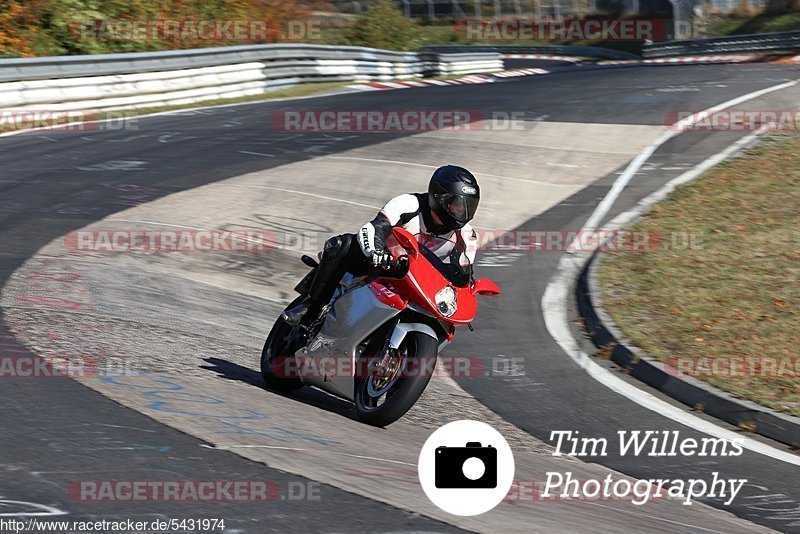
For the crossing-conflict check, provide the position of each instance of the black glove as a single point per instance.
(381, 259)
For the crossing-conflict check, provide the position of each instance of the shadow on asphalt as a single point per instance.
(306, 395)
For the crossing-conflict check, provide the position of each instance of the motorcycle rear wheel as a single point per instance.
(277, 357)
(381, 404)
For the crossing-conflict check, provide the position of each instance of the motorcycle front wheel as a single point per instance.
(384, 397)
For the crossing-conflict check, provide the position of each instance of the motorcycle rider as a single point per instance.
(444, 211)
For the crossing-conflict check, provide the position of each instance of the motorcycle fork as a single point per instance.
(386, 352)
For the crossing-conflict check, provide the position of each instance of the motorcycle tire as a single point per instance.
(407, 388)
(276, 357)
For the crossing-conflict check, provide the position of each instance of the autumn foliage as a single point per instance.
(59, 27)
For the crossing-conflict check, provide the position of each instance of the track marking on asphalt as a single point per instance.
(360, 457)
(556, 296)
(157, 223)
(114, 165)
(307, 194)
(256, 154)
(229, 447)
(127, 427)
(374, 160)
(44, 509)
(675, 130)
(541, 118)
(563, 165)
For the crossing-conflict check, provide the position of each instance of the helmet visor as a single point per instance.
(462, 209)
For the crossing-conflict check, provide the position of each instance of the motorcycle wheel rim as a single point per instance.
(374, 392)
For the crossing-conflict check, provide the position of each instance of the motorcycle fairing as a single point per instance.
(355, 315)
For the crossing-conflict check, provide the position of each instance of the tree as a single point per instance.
(16, 20)
(384, 26)
(58, 27)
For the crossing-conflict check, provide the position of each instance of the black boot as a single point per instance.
(337, 257)
(294, 315)
(304, 312)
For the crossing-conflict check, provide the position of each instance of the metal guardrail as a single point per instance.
(107, 64)
(120, 81)
(753, 43)
(556, 50)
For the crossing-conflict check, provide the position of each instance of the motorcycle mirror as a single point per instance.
(484, 286)
(407, 241)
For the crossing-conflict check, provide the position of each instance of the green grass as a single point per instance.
(735, 296)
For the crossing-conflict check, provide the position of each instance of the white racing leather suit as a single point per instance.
(411, 211)
(406, 211)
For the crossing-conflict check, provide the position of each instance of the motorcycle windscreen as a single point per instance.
(448, 256)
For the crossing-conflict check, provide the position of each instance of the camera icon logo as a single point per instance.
(466, 468)
(472, 466)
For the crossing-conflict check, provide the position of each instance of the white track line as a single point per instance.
(256, 154)
(45, 511)
(155, 223)
(557, 294)
(307, 194)
(396, 162)
(375, 160)
(674, 130)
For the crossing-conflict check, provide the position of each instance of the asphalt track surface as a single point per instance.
(54, 430)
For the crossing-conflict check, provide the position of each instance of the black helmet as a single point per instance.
(453, 194)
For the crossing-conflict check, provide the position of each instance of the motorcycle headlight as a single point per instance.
(446, 301)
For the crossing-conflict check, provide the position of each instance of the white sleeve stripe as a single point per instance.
(366, 239)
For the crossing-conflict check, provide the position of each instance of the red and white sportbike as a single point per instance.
(377, 341)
